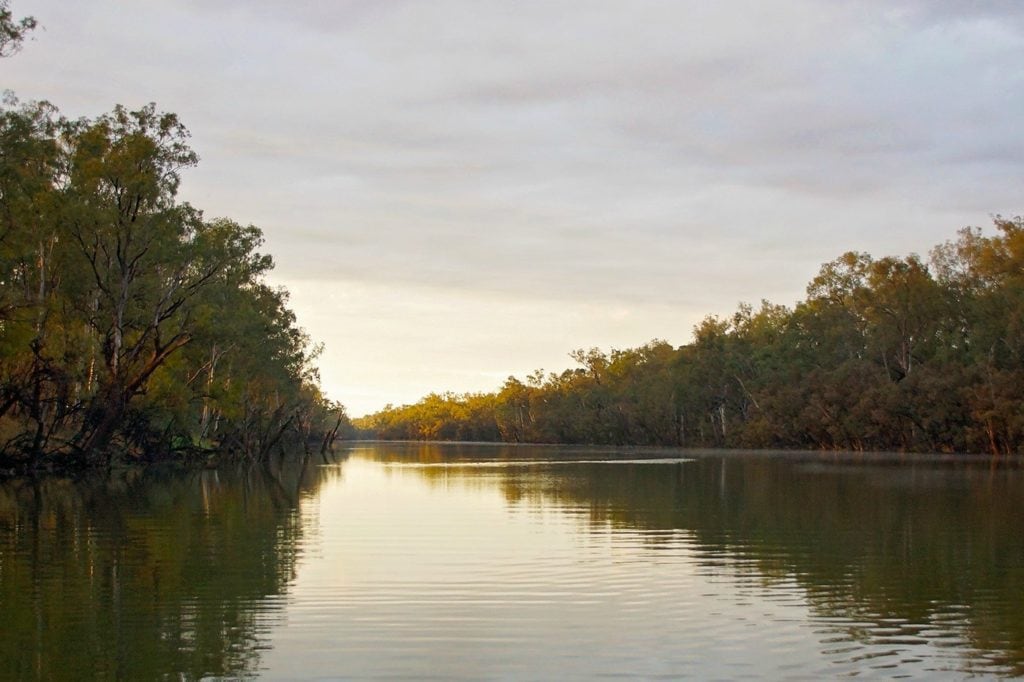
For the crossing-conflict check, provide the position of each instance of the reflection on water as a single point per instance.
(519, 463)
(493, 561)
(145, 574)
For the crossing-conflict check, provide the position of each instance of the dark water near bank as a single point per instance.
(495, 562)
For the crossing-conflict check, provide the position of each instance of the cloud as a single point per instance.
(573, 153)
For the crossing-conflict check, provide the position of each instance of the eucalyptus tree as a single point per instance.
(984, 278)
(138, 250)
(32, 378)
(13, 31)
(126, 315)
(888, 353)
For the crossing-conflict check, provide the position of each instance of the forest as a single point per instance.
(131, 326)
(129, 323)
(894, 353)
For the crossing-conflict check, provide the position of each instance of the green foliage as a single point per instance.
(149, 572)
(131, 324)
(12, 31)
(894, 353)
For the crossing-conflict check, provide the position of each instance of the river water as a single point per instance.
(483, 562)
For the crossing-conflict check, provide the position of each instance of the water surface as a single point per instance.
(482, 562)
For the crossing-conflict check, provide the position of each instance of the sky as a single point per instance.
(455, 191)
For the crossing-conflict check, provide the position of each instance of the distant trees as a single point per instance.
(889, 353)
(128, 321)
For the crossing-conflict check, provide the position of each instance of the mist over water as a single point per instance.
(433, 561)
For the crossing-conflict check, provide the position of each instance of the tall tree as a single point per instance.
(12, 31)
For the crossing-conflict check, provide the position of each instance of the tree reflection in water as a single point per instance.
(148, 573)
(888, 549)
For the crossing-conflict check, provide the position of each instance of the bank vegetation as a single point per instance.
(131, 326)
(894, 353)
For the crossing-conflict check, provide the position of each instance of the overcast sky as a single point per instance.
(456, 191)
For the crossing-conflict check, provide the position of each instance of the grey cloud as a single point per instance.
(600, 172)
(940, 11)
(559, 148)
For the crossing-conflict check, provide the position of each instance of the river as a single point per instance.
(519, 562)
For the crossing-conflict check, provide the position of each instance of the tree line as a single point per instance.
(130, 323)
(883, 354)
